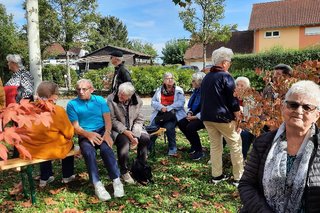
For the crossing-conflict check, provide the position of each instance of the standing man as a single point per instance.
(121, 73)
(90, 117)
(220, 112)
(281, 72)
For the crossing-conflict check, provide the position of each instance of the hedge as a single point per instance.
(267, 60)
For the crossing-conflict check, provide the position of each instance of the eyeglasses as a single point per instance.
(83, 89)
(168, 79)
(295, 105)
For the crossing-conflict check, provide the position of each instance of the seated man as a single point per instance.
(90, 116)
(127, 125)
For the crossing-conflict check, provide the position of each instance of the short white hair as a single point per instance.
(167, 75)
(306, 88)
(198, 77)
(243, 79)
(15, 58)
(84, 80)
(221, 54)
(127, 88)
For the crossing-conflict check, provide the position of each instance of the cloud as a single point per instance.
(143, 24)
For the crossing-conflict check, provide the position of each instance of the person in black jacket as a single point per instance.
(220, 113)
(283, 170)
(121, 73)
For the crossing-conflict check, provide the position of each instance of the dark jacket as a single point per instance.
(251, 188)
(121, 75)
(194, 103)
(217, 101)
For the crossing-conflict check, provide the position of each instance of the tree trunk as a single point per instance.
(34, 41)
(204, 55)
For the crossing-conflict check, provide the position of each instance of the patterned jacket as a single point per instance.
(22, 78)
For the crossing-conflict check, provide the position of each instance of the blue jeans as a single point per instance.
(67, 168)
(89, 154)
(170, 132)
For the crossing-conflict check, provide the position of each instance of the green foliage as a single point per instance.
(201, 18)
(11, 42)
(267, 60)
(96, 76)
(147, 79)
(56, 73)
(66, 22)
(109, 31)
(146, 48)
(174, 50)
(256, 81)
(180, 185)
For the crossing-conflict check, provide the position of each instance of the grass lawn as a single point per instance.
(180, 185)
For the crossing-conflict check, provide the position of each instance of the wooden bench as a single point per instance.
(25, 166)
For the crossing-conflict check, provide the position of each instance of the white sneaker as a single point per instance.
(101, 192)
(127, 178)
(43, 183)
(118, 188)
(69, 179)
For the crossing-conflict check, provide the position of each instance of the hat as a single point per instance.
(116, 53)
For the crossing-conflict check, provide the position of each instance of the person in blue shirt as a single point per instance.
(192, 123)
(90, 117)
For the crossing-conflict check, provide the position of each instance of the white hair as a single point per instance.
(15, 58)
(244, 80)
(167, 74)
(306, 88)
(198, 77)
(84, 80)
(127, 88)
(221, 54)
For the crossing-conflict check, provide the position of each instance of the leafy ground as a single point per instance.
(180, 185)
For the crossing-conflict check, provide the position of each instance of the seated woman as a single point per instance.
(54, 141)
(127, 127)
(169, 99)
(245, 101)
(282, 173)
(192, 123)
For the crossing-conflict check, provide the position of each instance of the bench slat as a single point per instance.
(17, 162)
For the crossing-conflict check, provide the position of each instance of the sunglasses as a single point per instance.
(295, 105)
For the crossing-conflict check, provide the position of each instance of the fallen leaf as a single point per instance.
(164, 162)
(56, 191)
(94, 200)
(70, 211)
(176, 179)
(26, 204)
(196, 205)
(121, 207)
(179, 206)
(50, 201)
(175, 194)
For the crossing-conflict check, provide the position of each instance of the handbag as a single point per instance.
(163, 117)
(141, 172)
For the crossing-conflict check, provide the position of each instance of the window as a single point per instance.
(270, 34)
(312, 31)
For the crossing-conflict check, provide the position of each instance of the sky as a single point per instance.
(152, 21)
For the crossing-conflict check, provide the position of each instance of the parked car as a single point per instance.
(207, 68)
(189, 67)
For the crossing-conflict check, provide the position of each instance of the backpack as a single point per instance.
(141, 172)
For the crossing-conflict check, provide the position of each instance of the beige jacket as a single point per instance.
(118, 115)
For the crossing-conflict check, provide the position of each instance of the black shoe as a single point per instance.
(191, 151)
(218, 179)
(197, 155)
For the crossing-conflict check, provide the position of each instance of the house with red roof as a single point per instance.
(291, 24)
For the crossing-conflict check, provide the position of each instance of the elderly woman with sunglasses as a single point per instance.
(283, 171)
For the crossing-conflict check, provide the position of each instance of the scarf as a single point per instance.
(284, 190)
(165, 92)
